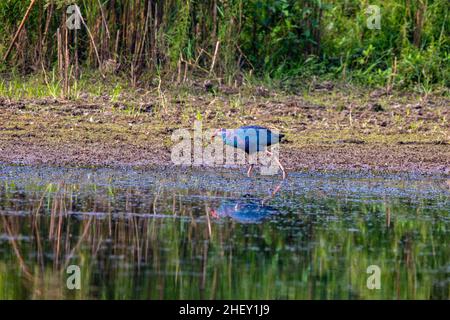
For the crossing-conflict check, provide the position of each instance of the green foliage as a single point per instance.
(274, 39)
(178, 34)
(281, 33)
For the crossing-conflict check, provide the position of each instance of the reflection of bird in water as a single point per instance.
(243, 211)
(247, 210)
(252, 139)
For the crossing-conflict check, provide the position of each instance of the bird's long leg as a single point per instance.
(274, 192)
(249, 171)
(278, 162)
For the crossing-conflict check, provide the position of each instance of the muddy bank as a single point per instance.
(427, 159)
(331, 130)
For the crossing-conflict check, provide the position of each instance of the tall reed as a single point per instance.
(222, 39)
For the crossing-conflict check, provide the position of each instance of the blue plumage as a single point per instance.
(251, 139)
(243, 211)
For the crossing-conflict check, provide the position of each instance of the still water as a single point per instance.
(216, 234)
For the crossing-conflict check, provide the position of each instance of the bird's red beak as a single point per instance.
(216, 133)
(214, 214)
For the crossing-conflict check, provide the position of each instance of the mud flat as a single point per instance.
(332, 130)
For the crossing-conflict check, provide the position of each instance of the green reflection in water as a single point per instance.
(158, 243)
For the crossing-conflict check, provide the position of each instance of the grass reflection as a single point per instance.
(138, 243)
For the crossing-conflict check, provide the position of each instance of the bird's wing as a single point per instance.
(271, 136)
(254, 127)
(235, 138)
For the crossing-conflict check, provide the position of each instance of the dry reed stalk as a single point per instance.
(152, 55)
(105, 25)
(60, 56)
(52, 219)
(185, 72)
(80, 240)
(388, 217)
(179, 70)
(138, 44)
(66, 61)
(214, 31)
(22, 23)
(390, 82)
(116, 46)
(77, 67)
(47, 24)
(93, 43)
(38, 47)
(208, 222)
(216, 51)
(155, 41)
(36, 231)
(59, 230)
(419, 20)
(16, 249)
(142, 42)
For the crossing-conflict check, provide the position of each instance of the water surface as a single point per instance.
(215, 234)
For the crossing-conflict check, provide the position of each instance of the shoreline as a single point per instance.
(335, 130)
(93, 157)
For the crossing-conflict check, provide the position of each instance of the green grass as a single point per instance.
(279, 42)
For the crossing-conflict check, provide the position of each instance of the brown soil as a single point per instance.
(326, 130)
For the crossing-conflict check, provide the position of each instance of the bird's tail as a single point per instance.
(282, 137)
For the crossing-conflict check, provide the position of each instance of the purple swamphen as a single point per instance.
(251, 139)
(243, 211)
